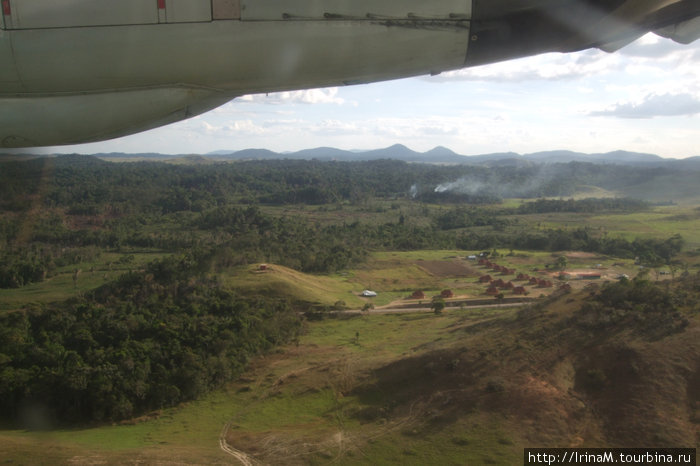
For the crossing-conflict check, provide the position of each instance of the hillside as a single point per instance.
(477, 387)
(283, 282)
(616, 366)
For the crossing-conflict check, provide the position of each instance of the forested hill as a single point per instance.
(89, 184)
(439, 155)
(148, 340)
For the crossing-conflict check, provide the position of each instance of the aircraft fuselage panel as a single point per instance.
(84, 70)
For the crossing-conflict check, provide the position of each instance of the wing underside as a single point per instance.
(83, 70)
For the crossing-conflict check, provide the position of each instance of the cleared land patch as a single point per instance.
(452, 268)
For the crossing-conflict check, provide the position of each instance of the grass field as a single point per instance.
(60, 285)
(659, 222)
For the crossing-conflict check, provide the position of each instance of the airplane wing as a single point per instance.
(74, 71)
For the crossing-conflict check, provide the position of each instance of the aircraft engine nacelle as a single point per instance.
(75, 71)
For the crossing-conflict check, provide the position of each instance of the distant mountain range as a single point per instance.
(439, 155)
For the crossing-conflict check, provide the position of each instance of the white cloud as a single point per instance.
(649, 52)
(654, 105)
(309, 96)
(547, 67)
(230, 128)
(329, 127)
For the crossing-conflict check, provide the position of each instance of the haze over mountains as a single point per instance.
(440, 155)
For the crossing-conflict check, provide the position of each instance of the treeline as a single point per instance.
(253, 236)
(651, 252)
(466, 216)
(588, 205)
(23, 265)
(146, 341)
(469, 216)
(53, 207)
(246, 235)
(456, 197)
(88, 186)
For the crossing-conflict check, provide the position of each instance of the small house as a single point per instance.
(418, 295)
(485, 279)
(446, 294)
(520, 290)
(499, 283)
(492, 291)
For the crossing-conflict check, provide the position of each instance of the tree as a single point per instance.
(560, 263)
(76, 274)
(437, 305)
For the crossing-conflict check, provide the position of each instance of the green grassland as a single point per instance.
(61, 286)
(659, 223)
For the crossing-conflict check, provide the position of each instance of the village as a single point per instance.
(497, 284)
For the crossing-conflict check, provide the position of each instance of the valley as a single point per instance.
(209, 314)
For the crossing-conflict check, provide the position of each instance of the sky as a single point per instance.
(642, 98)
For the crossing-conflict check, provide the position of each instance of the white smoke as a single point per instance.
(464, 185)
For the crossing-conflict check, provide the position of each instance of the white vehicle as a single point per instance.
(369, 294)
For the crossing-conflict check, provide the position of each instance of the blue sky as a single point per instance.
(643, 98)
